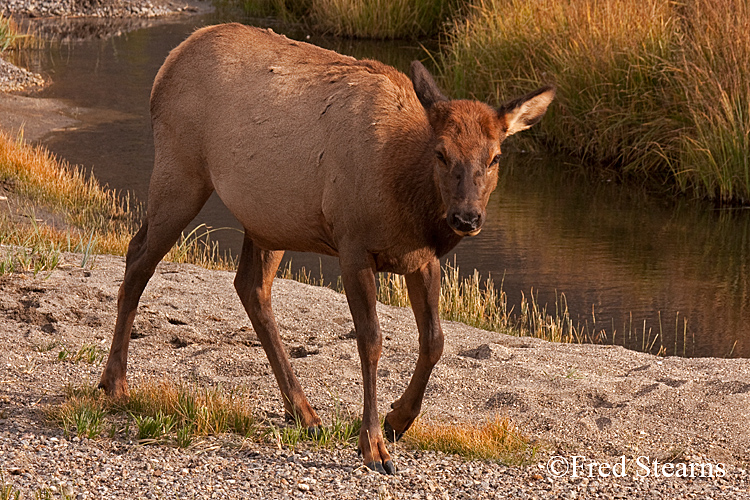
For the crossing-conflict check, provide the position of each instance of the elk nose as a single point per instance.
(466, 222)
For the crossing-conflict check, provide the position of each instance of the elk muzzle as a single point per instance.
(466, 222)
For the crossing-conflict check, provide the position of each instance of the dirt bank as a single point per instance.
(597, 401)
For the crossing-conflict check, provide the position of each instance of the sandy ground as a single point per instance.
(597, 401)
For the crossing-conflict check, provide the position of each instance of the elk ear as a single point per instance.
(427, 91)
(520, 114)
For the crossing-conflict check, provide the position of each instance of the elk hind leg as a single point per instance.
(171, 208)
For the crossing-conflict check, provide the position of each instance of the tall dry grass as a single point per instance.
(715, 80)
(608, 59)
(657, 89)
(382, 19)
(483, 304)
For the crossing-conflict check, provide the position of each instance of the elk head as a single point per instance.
(468, 135)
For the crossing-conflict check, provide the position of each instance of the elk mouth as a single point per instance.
(466, 224)
(467, 233)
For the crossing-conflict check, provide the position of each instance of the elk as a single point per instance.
(318, 152)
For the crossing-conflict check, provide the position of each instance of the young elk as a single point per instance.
(318, 152)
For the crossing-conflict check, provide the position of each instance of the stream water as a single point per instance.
(635, 265)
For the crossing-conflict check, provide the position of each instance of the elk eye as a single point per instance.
(495, 161)
(440, 157)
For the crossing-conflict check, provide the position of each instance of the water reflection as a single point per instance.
(620, 251)
(629, 256)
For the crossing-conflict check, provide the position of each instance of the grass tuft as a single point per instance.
(497, 439)
(88, 353)
(84, 416)
(8, 33)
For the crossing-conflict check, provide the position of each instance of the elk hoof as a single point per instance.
(390, 434)
(389, 467)
(315, 432)
(376, 466)
(383, 468)
(114, 390)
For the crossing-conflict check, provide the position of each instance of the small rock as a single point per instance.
(488, 351)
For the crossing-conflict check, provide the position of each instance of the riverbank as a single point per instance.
(101, 8)
(601, 402)
(66, 19)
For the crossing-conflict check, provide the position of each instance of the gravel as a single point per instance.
(96, 8)
(222, 468)
(13, 78)
(191, 328)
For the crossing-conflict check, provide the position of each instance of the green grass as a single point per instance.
(84, 417)
(660, 90)
(7, 491)
(87, 353)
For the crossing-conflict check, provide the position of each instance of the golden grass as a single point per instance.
(715, 80)
(483, 304)
(37, 175)
(207, 411)
(606, 57)
(382, 19)
(8, 33)
(95, 220)
(497, 439)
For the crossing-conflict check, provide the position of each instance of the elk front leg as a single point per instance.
(424, 294)
(358, 275)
